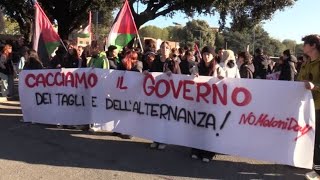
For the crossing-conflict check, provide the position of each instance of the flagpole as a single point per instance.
(63, 45)
(90, 16)
(135, 26)
(33, 2)
(140, 42)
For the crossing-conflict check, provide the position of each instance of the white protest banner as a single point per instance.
(265, 120)
(273, 76)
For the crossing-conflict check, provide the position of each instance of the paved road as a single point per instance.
(30, 151)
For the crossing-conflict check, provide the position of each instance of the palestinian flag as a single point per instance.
(45, 39)
(124, 28)
(86, 32)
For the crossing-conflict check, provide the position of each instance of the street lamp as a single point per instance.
(137, 7)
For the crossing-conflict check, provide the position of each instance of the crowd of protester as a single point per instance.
(219, 63)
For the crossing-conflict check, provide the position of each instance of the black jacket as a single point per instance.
(288, 70)
(260, 63)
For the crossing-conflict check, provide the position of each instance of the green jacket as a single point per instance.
(311, 72)
(99, 62)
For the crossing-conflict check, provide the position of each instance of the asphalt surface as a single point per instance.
(34, 151)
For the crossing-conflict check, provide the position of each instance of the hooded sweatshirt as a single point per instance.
(229, 65)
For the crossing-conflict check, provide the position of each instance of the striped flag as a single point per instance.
(124, 28)
(45, 39)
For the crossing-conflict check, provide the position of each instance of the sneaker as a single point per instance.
(153, 145)
(206, 160)
(161, 146)
(193, 156)
(124, 136)
(60, 126)
(92, 129)
(312, 176)
(116, 134)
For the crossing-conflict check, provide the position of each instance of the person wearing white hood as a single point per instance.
(228, 63)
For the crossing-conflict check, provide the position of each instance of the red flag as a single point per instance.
(45, 38)
(124, 28)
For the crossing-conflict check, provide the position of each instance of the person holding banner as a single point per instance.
(208, 66)
(149, 55)
(131, 62)
(98, 59)
(311, 76)
(188, 64)
(147, 63)
(164, 63)
(112, 55)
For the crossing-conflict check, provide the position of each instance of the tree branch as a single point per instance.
(166, 11)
